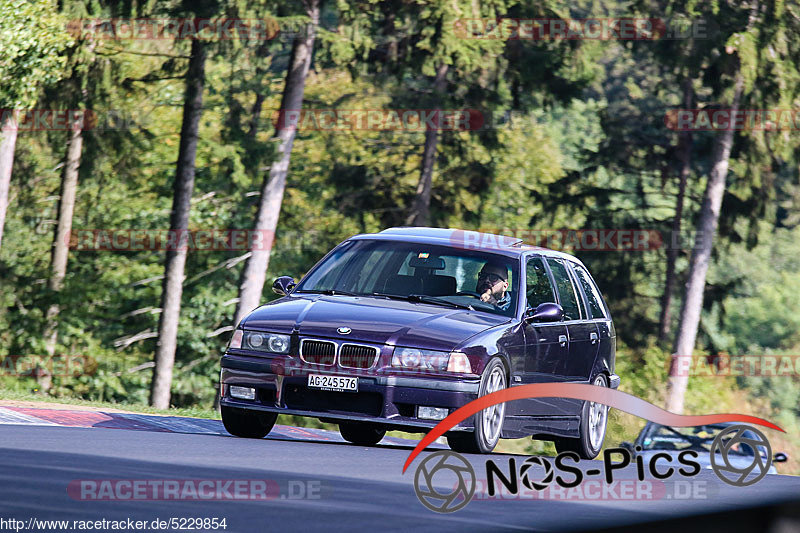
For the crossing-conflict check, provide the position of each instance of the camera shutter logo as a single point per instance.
(455, 468)
(725, 445)
(546, 479)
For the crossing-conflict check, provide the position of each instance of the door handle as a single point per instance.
(593, 336)
(562, 340)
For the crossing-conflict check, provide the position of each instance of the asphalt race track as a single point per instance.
(324, 484)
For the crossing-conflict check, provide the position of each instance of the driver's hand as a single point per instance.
(487, 296)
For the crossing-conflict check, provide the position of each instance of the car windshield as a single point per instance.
(697, 438)
(437, 275)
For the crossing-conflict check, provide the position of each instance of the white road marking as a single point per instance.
(7, 416)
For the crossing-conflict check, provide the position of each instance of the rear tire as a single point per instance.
(594, 419)
(361, 433)
(247, 424)
(488, 422)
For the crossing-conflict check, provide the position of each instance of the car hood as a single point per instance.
(372, 320)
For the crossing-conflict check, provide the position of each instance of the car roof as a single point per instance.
(464, 239)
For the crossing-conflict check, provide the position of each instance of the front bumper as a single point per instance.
(384, 396)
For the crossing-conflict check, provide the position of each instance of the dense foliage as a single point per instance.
(574, 137)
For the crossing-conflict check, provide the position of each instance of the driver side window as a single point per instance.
(537, 283)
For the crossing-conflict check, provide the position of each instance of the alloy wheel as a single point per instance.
(598, 415)
(492, 417)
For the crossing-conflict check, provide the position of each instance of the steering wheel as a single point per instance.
(469, 293)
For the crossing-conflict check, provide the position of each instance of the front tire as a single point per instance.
(488, 422)
(361, 434)
(594, 419)
(247, 424)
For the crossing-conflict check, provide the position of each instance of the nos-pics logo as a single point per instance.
(445, 481)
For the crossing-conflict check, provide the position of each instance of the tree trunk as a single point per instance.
(255, 115)
(60, 250)
(255, 270)
(420, 212)
(255, 112)
(172, 287)
(8, 141)
(685, 156)
(701, 257)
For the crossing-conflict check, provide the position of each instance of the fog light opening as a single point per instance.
(243, 393)
(432, 413)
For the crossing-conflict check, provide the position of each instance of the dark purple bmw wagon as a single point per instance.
(396, 330)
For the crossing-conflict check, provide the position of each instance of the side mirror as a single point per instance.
(283, 285)
(780, 457)
(547, 312)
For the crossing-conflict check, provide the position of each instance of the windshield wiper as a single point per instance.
(329, 292)
(423, 298)
(386, 295)
(691, 439)
(440, 301)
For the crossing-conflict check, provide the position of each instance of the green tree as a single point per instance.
(754, 46)
(269, 208)
(423, 47)
(32, 37)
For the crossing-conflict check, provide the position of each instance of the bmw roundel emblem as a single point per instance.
(344, 330)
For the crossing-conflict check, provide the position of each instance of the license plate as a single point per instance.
(333, 383)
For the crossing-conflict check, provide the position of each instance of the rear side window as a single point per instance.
(537, 283)
(569, 297)
(592, 294)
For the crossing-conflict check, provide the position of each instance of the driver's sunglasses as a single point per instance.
(493, 278)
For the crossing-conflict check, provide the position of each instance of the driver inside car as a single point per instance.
(493, 285)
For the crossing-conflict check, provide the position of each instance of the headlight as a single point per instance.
(431, 360)
(261, 342)
(278, 343)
